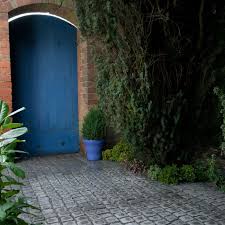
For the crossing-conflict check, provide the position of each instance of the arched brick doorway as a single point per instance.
(86, 82)
(9, 8)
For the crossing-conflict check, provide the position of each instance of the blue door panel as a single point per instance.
(44, 76)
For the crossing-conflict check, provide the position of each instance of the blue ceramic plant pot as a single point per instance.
(93, 149)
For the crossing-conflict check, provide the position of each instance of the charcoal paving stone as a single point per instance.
(126, 220)
(70, 223)
(72, 191)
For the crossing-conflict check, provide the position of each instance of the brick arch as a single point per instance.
(8, 5)
(56, 9)
(86, 82)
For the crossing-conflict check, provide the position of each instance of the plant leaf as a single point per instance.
(16, 170)
(14, 133)
(10, 183)
(10, 193)
(2, 215)
(3, 158)
(7, 142)
(11, 151)
(4, 110)
(12, 125)
(6, 206)
(17, 111)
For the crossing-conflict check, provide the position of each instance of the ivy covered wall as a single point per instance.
(157, 63)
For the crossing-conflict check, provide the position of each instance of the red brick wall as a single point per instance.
(5, 75)
(86, 74)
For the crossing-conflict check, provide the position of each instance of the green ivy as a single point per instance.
(221, 97)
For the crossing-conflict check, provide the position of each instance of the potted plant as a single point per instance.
(93, 132)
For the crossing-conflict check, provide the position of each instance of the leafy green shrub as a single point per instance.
(107, 154)
(220, 183)
(154, 171)
(169, 175)
(122, 151)
(187, 173)
(215, 174)
(172, 174)
(209, 171)
(11, 206)
(206, 170)
(94, 125)
(221, 97)
(201, 171)
(200, 168)
(212, 170)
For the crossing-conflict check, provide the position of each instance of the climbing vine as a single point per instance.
(157, 62)
(221, 98)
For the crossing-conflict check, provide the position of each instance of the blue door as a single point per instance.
(44, 76)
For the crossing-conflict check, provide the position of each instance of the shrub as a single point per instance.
(169, 175)
(212, 170)
(220, 183)
(200, 171)
(11, 205)
(107, 154)
(209, 171)
(221, 97)
(154, 171)
(122, 151)
(187, 173)
(94, 125)
(200, 168)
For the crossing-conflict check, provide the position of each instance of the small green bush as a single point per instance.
(154, 171)
(212, 170)
(169, 175)
(209, 171)
(122, 151)
(221, 98)
(200, 168)
(201, 171)
(220, 183)
(94, 125)
(107, 154)
(187, 173)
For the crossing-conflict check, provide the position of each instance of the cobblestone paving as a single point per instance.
(71, 191)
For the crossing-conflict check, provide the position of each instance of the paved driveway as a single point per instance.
(71, 191)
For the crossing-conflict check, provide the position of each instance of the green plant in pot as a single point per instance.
(93, 132)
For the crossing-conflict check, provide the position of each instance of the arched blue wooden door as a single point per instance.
(44, 76)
